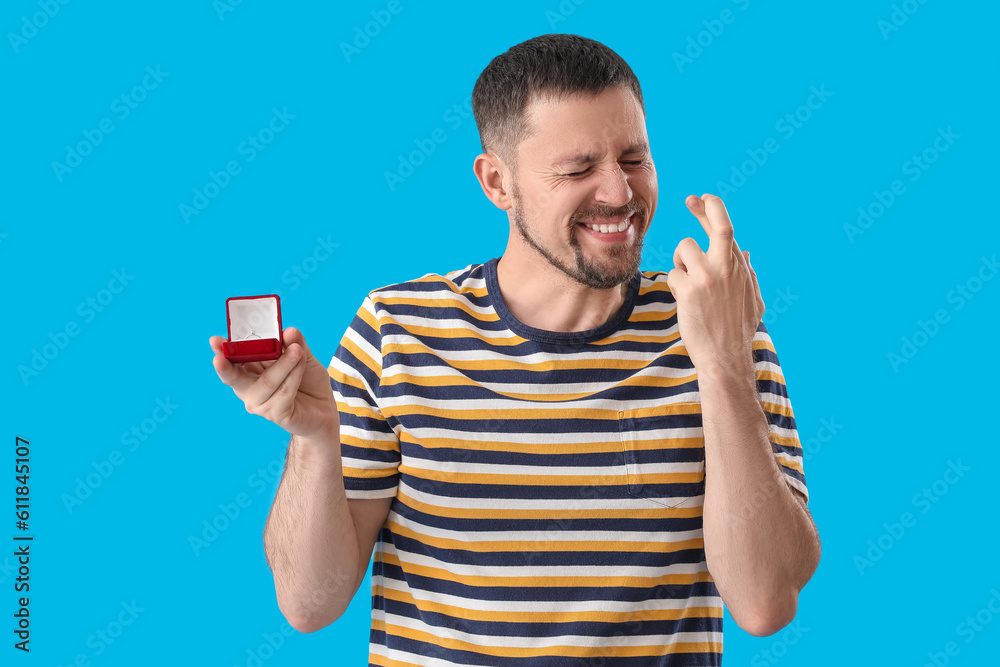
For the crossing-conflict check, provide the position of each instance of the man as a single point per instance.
(557, 459)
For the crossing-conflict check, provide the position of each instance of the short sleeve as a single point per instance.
(369, 447)
(774, 399)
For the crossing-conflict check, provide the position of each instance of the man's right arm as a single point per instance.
(317, 542)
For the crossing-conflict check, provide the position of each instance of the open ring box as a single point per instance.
(254, 324)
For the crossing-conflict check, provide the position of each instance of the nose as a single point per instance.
(613, 188)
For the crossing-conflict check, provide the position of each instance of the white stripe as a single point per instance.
(581, 504)
(363, 464)
(544, 440)
(366, 436)
(584, 472)
(369, 495)
(484, 355)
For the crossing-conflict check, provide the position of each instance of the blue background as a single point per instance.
(846, 301)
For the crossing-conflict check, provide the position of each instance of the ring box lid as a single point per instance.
(254, 327)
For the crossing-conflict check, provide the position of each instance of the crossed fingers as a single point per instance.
(722, 246)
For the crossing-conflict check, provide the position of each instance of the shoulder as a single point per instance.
(467, 284)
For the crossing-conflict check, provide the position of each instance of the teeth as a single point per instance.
(604, 229)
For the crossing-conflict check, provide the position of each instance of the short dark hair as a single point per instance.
(554, 64)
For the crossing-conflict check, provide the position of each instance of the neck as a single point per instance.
(543, 297)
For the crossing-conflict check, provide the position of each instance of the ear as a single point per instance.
(492, 175)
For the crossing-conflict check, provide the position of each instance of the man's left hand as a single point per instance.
(719, 304)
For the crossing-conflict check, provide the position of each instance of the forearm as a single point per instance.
(760, 543)
(310, 539)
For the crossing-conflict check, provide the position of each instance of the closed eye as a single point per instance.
(634, 163)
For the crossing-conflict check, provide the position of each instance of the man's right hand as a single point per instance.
(293, 391)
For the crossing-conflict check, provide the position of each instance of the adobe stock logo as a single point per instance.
(894, 532)
(915, 167)
(229, 512)
(105, 468)
(381, 18)
(60, 340)
(787, 125)
(454, 116)
(898, 18)
(565, 9)
(713, 30)
(250, 148)
(38, 20)
(926, 330)
(122, 106)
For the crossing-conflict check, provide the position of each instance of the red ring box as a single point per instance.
(254, 327)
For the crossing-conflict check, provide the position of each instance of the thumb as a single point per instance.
(676, 278)
(293, 335)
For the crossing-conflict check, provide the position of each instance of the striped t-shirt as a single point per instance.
(547, 487)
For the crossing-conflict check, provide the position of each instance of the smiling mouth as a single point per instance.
(607, 226)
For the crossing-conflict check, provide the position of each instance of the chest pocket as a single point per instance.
(664, 451)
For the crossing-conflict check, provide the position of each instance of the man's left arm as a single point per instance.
(761, 544)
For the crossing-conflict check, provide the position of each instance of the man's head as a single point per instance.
(562, 124)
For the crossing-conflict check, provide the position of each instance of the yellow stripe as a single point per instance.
(525, 448)
(383, 661)
(553, 514)
(539, 413)
(369, 318)
(785, 441)
(777, 409)
(358, 411)
(368, 473)
(555, 617)
(445, 282)
(518, 479)
(432, 303)
(508, 364)
(633, 338)
(792, 465)
(652, 316)
(771, 375)
(341, 378)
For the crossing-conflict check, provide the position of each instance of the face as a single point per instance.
(585, 189)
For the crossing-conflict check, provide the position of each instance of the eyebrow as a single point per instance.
(585, 158)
